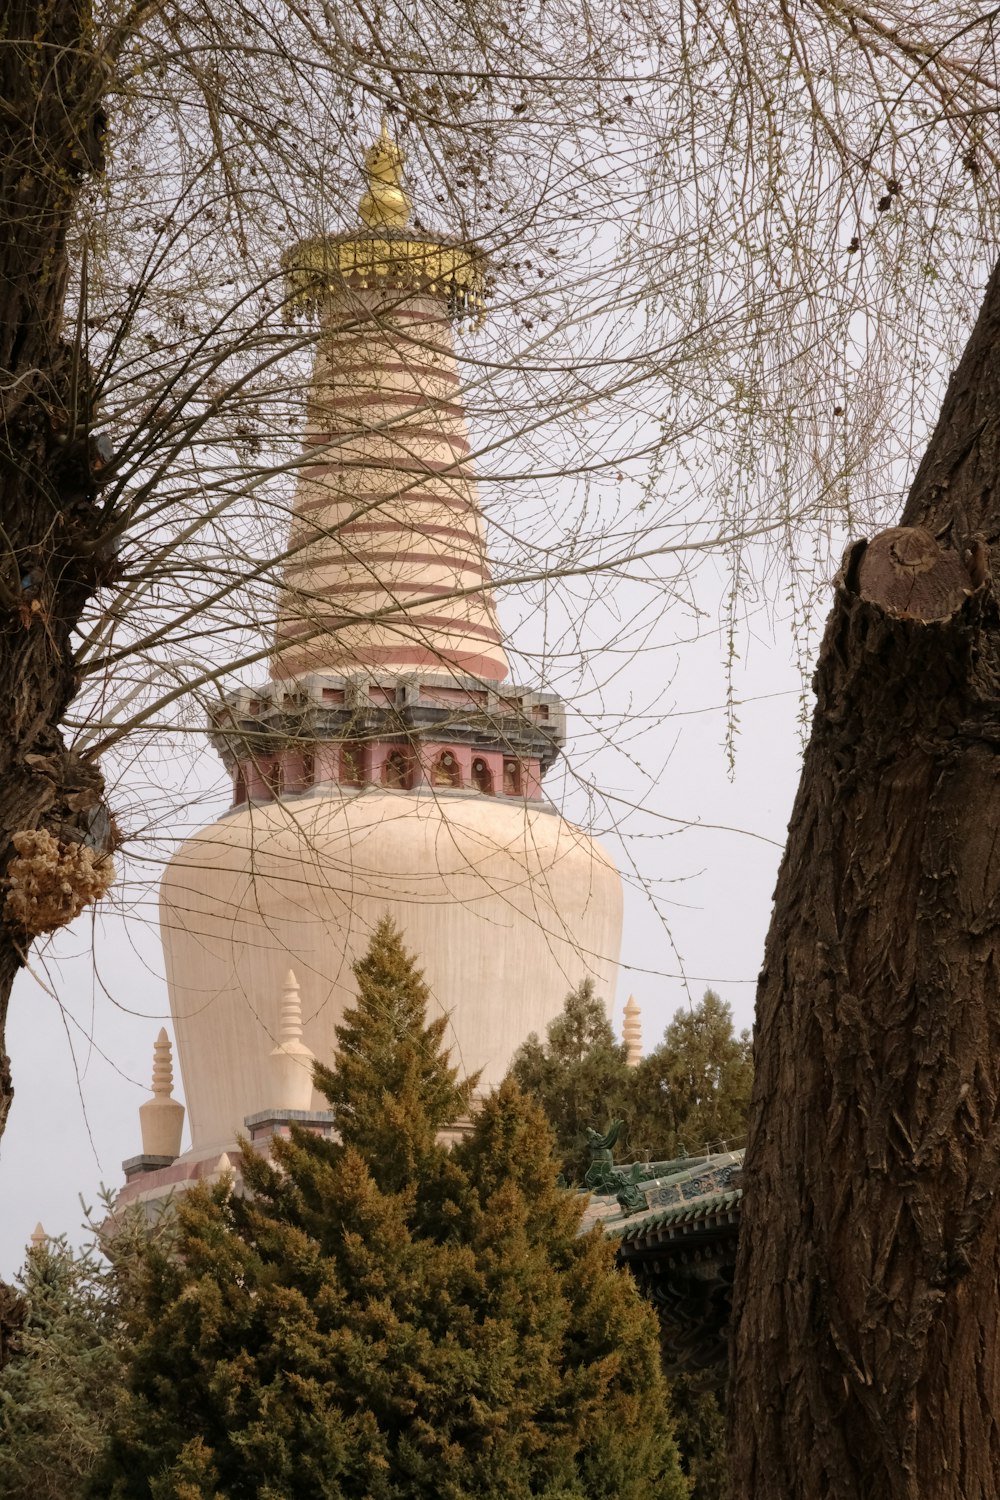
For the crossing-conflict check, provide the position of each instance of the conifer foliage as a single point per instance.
(578, 1074)
(63, 1364)
(692, 1091)
(377, 1318)
(393, 1086)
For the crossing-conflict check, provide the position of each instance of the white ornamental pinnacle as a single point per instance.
(291, 1059)
(632, 1033)
(224, 1175)
(39, 1238)
(162, 1117)
(163, 1066)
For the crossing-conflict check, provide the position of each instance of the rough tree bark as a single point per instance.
(52, 526)
(866, 1353)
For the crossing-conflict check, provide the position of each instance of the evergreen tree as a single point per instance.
(379, 1319)
(393, 1086)
(63, 1367)
(596, 1367)
(578, 1075)
(12, 1315)
(694, 1089)
(700, 1428)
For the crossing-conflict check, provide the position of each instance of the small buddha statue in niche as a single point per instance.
(446, 770)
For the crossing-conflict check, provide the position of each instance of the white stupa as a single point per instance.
(388, 766)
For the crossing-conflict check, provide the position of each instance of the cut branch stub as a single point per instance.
(870, 1236)
(907, 572)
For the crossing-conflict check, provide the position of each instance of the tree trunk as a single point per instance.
(51, 521)
(866, 1354)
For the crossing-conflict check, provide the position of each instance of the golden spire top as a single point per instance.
(385, 205)
(381, 254)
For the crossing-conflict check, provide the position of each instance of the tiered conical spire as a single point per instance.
(224, 1170)
(292, 1061)
(389, 562)
(632, 1032)
(162, 1117)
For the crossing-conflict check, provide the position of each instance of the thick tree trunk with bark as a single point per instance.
(51, 520)
(866, 1354)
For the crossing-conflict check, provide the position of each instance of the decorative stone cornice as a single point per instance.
(322, 707)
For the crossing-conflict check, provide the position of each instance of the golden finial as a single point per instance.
(317, 269)
(384, 205)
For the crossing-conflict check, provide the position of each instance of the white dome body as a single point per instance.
(505, 904)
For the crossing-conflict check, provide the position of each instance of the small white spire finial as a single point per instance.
(291, 1059)
(163, 1066)
(632, 1033)
(39, 1237)
(290, 1029)
(161, 1118)
(223, 1169)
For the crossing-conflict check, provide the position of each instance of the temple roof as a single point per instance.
(683, 1219)
(676, 1224)
(685, 1191)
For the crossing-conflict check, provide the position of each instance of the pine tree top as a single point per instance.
(393, 1088)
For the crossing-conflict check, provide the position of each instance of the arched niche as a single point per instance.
(446, 771)
(396, 771)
